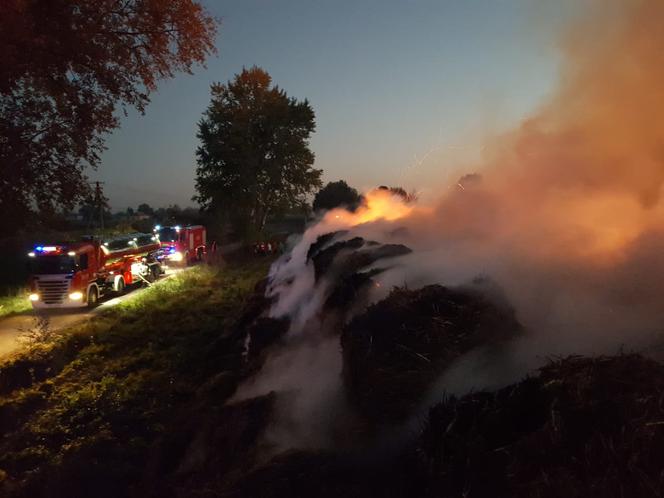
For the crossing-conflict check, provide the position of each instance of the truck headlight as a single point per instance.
(176, 256)
(76, 296)
(33, 297)
(138, 268)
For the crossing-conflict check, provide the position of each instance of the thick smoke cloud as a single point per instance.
(568, 215)
(567, 218)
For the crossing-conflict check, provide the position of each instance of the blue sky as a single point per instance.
(402, 90)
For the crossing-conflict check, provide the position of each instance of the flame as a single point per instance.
(379, 204)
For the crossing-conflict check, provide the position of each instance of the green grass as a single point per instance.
(14, 302)
(110, 386)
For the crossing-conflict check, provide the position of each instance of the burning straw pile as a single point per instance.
(348, 266)
(583, 427)
(401, 345)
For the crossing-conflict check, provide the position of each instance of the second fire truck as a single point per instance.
(181, 245)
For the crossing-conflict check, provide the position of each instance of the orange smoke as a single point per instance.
(583, 177)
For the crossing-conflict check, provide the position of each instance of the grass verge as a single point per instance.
(14, 303)
(110, 386)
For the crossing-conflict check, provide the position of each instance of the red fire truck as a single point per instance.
(181, 245)
(77, 274)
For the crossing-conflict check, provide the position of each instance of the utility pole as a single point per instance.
(97, 203)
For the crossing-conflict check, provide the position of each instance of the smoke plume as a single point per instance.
(565, 215)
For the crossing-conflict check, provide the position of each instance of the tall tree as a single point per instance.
(66, 67)
(336, 194)
(145, 209)
(95, 209)
(254, 158)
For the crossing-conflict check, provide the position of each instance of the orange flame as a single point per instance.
(378, 204)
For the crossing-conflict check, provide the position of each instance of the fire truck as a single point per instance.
(181, 245)
(78, 274)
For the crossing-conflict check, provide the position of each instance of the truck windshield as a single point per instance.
(52, 265)
(168, 234)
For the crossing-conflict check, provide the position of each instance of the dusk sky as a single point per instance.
(402, 90)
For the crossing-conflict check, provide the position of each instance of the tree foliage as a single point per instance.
(66, 67)
(254, 158)
(336, 194)
(145, 209)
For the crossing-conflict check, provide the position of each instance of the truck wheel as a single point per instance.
(121, 287)
(93, 297)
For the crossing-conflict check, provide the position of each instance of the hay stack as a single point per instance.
(401, 345)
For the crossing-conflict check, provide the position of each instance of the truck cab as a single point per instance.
(60, 274)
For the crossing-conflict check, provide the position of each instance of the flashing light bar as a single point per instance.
(47, 249)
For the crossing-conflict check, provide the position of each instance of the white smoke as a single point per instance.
(567, 219)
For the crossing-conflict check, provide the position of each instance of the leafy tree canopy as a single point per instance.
(145, 209)
(254, 158)
(66, 66)
(336, 194)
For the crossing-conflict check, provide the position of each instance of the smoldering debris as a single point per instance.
(396, 350)
(344, 257)
(300, 352)
(347, 267)
(582, 427)
(578, 427)
(263, 333)
(322, 241)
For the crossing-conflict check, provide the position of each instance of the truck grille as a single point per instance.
(53, 291)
